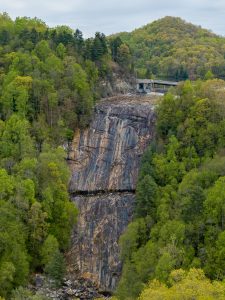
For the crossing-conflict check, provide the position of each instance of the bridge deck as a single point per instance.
(165, 82)
(157, 81)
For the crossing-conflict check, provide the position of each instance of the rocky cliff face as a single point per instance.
(102, 220)
(105, 160)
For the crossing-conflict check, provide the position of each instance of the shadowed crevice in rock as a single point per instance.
(99, 192)
(105, 161)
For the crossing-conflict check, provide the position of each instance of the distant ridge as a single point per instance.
(171, 48)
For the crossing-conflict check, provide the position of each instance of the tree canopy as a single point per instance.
(171, 48)
(50, 79)
(180, 198)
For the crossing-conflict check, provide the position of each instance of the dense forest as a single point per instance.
(179, 220)
(171, 48)
(50, 79)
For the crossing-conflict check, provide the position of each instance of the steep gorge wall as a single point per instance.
(105, 161)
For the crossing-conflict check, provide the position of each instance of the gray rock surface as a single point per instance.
(102, 220)
(71, 289)
(106, 157)
(105, 161)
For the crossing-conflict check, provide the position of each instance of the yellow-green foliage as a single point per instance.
(180, 197)
(47, 90)
(173, 48)
(185, 286)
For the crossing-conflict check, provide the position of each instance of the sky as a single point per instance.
(111, 16)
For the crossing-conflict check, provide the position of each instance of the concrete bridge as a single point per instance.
(154, 85)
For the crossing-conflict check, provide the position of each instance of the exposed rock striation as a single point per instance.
(105, 161)
(102, 220)
(106, 157)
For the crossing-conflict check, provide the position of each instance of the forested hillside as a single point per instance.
(180, 201)
(50, 79)
(170, 48)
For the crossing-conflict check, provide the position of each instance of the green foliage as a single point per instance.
(38, 228)
(136, 235)
(22, 293)
(55, 268)
(16, 142)
(42, 50)
(171, 48)
(115, 43)
(209, 75)
(180, 194)
(14, 265)
(130, 283)
(215, 203)
(7, 185)
(15, 96)
(50, 76)
(49, 247)
(146, 196)
(48, 88)
(53, 179)
(61, 51)
(50, 79)
(184, 285)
